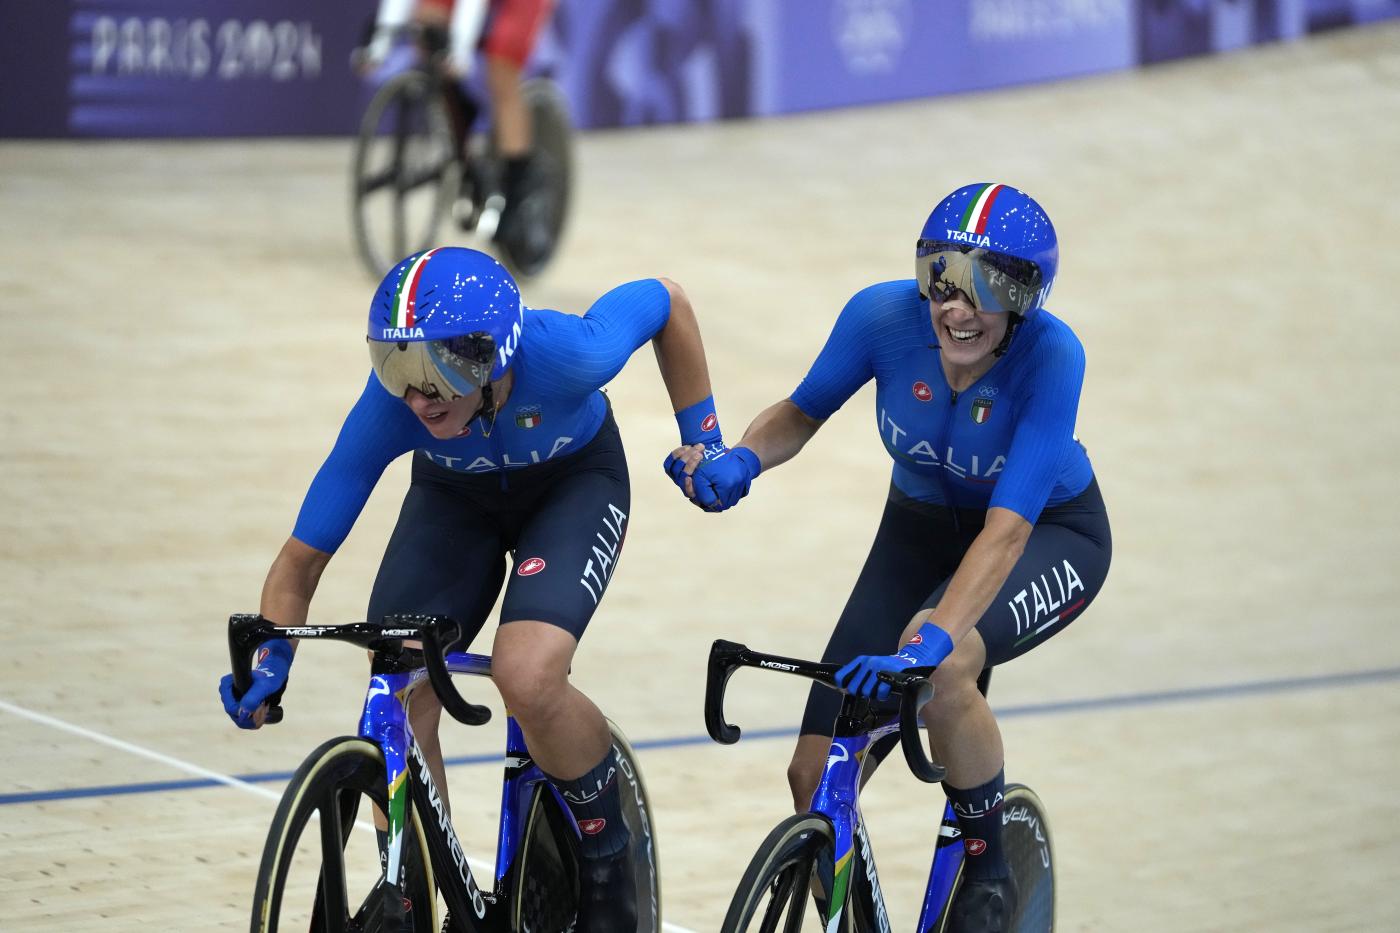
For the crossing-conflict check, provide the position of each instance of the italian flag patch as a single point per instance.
(527, 417)
(981, 410)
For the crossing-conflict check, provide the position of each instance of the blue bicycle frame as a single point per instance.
(860, 730)
(385, 723)
(836, 798)
(395, 673)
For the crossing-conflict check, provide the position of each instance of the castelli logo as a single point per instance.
(709, 423)
(975, 846)
(917, 640)
(530, 567)
(591, 827)
(922, 392)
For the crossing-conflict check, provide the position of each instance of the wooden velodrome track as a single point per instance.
(1216, 739)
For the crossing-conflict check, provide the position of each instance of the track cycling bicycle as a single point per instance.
(417, 159)
(825, 855)
(338, 881)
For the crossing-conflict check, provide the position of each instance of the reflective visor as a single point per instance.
(438, 368)
(991, 281)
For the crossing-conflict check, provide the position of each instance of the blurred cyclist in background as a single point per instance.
(515, 453)
(506, 32)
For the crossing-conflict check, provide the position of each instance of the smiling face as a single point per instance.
(966, 337)
(444, 419)
(448, 418)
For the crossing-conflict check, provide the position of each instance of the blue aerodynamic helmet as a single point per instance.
(993, 243)
(446, 322)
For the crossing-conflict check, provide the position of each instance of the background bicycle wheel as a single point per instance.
(1215, 741)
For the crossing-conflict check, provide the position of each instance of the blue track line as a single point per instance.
(1125, 701)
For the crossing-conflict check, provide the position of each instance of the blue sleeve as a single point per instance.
(374, 433)
(573, 356)
(873, 319)
(1044, 433)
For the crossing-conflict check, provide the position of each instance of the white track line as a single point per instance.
(139, 751)
(486, 868)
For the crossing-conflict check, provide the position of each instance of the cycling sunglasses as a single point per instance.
(443, 369)
(992, 281)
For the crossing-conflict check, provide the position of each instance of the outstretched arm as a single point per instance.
(680, 353)
(775, 436)
(784, 428)
(779, 432)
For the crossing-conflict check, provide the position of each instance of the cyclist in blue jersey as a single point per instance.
(994, 536)
(515, 454)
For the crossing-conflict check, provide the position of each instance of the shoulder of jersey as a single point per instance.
(541, 320)
(895, 290)
(545, 334)
(1048, 334)
(888, 301)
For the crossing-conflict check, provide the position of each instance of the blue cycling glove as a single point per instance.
(720, 483)
(723, 476)
(271, 663)
(929, 646)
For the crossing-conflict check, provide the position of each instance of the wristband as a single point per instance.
(929, 646)
(279, 648)
(699, 424)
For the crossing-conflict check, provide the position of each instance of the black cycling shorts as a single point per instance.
(562, 522)
(918, 547)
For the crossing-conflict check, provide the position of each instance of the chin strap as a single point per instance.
(1014, 321)
(488, 401)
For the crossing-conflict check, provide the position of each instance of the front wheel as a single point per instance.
(332, 881)
(1025, 838)
(776, 890)
(545, 890)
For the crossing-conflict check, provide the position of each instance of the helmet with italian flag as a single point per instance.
(446, 322)
(994, 244)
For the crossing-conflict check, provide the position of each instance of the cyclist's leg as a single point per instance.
(463, 20)
(565, 557)
(510, 36)
(1061, 570)
(963, 734)
(445, 557)
(568, 545)
(510, 117)
(904, 563)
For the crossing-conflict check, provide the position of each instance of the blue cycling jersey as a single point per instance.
(1006, 442)
(554, 409)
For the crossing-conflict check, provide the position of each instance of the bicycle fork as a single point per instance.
(517, 795)
(853, 880)
(943, 873)
(385, 723)
(836, 798)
